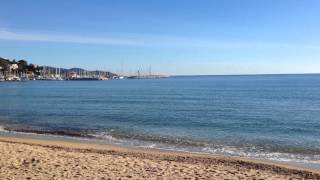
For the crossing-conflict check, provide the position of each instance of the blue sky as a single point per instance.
(174, 37)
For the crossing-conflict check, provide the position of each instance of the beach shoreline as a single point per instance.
(163, 163)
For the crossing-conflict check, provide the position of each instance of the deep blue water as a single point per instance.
(265, 116)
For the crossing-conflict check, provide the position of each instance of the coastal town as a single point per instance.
(21, 70)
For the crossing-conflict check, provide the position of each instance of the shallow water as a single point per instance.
(275, 117)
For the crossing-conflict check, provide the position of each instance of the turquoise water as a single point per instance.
(274, 117)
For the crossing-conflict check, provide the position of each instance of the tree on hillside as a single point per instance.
(4, 63)
(23, 65)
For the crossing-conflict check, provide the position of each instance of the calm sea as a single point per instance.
(275, 117)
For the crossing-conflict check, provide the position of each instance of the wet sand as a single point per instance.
(23, 158)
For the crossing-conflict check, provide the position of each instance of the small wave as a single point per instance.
(105, 136)
(189, 145)
(299, 159)
(274, 156)
(3, 129)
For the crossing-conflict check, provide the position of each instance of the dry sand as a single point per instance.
(41, 159)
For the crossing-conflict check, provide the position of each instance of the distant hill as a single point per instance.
(75, 69)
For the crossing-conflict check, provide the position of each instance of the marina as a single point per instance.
(22, 71)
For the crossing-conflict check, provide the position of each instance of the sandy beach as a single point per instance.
(42, 159)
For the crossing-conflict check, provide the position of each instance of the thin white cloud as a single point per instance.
(142, 41)
(8, 35)
(132, 40)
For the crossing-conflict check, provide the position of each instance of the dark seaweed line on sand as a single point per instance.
(49, 132)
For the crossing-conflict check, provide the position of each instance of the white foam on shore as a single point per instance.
(287, 158)
(2, 129)
(105, 138)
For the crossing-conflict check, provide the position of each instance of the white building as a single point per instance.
(14, 67)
